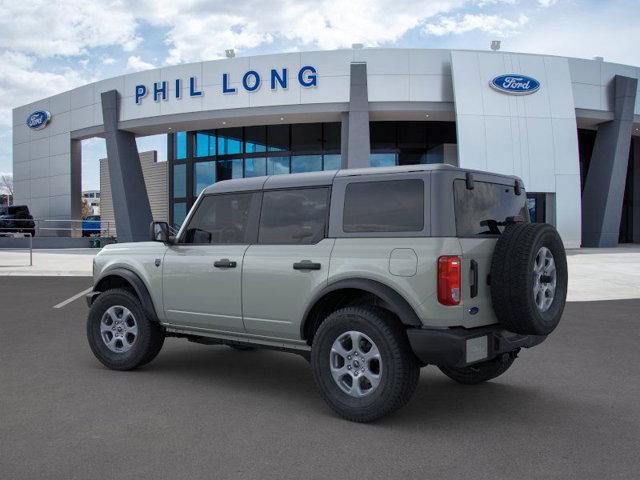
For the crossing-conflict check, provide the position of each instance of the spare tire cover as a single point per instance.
(529, 278)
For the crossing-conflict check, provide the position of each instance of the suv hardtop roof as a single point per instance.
(310, 179)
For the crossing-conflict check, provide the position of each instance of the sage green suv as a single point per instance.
(370, 274)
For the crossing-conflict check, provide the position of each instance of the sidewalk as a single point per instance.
(75, 262)
(594, 274)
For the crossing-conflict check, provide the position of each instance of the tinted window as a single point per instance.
(180, 180)
(220, 219)
(388, 206)
(484, 210)
(204, 174)
(294, 216)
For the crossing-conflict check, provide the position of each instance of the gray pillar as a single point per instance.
(128, 191)
(636, 190)
(604, 187)
(344, 140)
(357, 141)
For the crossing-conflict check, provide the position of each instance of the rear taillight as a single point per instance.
(449, 280)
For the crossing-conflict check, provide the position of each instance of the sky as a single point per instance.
(48, 47)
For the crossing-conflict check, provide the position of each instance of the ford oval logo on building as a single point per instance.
(38, 119)
(515, 84)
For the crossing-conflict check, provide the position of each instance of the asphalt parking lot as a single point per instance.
(568, 409)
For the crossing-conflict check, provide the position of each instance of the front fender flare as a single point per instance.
(136, 283)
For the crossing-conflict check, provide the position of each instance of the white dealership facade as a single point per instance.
(566, 126)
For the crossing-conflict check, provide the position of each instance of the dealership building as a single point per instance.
(568, 127)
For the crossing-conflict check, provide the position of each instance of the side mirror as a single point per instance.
(159, 232)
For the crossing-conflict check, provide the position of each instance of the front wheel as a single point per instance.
(480, 372)
(363, 364)
(120, 333)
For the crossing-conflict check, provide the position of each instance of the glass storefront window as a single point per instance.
(180, 146)
(383, 159)
(255, 167)
(306, 137)
(204, 174)
(255, 139)
(228, 169)
(229, 141)
(179, 214)
(277, 165)
(306, 163)
(205, 144)
(278, 137)
(180, 180)
(332, 162)
(331, 141)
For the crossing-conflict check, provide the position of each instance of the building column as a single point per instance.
(128, 191)
(356, 147)
(636, 189)
(604, 187)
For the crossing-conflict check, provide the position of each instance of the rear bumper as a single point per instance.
(459, 347)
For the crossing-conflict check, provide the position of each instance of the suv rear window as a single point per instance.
(296, 216)
(485, 209)
(385, 206)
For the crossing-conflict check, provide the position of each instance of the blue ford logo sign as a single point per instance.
(38, 119)
(515, 84)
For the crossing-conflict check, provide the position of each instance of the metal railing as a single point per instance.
(22, 235)
(59, 228)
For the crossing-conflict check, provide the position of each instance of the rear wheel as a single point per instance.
(480, 372)
(120, 333)
(363, 364)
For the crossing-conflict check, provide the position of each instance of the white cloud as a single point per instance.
(547, 3)
(108, 61)
(325, 24)
(21, 83)
(491, 24)
(46, 28)
(135, 63)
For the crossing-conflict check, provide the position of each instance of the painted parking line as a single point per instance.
(72, 299)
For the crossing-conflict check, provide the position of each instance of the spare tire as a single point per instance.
(529, 278)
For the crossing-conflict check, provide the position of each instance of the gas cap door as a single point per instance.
(403, 262)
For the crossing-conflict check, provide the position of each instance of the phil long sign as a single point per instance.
(515, 84)
(250, 81)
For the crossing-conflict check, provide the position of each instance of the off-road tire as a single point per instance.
(148, 342)
(512, 278)
(480, 372)
(399, 374)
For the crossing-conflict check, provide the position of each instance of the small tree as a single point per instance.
(86, 208)
(6, 186)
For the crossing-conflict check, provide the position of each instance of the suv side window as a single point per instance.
(485, 209)
(384, 206)
(220, 219)
(295, 216)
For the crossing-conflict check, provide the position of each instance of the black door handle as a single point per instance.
(474, 279)
(224, 263)
(306, 265)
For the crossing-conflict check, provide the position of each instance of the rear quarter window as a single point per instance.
(384, 206)
(485, 209)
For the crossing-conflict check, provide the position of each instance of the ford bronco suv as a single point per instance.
(370, 274)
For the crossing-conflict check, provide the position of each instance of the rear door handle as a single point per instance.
(306, 265)
(474, 279)
(224, 263)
